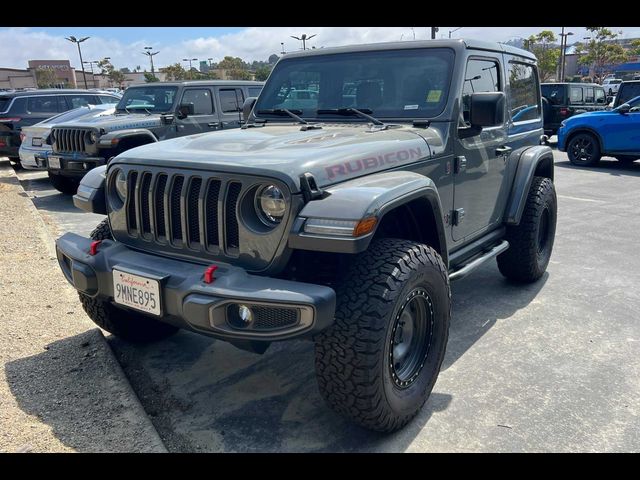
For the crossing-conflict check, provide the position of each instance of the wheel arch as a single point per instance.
(587, 130)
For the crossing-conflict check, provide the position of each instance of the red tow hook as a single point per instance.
(208, 274)
(93, 249)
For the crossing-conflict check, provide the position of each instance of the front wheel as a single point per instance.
(66, 185)
(584, 149)
(531, 242)
(379, 361)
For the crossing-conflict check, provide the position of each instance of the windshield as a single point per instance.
(412, 83)
(554, 93)
(153, 99)
(627, 92)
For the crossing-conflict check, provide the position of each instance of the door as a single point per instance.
(480, 160)
(204, 118)
(231, 100)
(600, 98)
(622, 132)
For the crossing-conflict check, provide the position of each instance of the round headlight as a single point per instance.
(121, 185)
(270, 204)
(93, 136)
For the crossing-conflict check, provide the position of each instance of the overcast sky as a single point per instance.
(125, 44)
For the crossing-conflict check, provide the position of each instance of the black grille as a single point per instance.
(70, 139)
(271, 318)
(185, 210)
(231, 221)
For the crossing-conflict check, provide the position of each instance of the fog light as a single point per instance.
(245, 314)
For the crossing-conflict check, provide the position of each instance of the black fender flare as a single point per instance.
(112, 139)
(534, 159)
(372, 196)
(91, 196)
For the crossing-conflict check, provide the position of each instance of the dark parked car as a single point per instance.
(563, 100)
(22, 109)
(626, 92)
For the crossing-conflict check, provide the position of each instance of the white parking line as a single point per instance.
(581, 199)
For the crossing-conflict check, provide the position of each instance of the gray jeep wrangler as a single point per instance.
(338, 216)
(146, 114)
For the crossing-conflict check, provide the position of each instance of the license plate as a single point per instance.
(134, 291)
(36, 142)
(54, 162)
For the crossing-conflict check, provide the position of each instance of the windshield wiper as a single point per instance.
(284, 111)
(352, 111)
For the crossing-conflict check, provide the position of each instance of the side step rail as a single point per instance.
(470, 267)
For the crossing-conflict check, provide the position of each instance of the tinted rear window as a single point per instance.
(555, 94)
(626, 93)
(4, 103)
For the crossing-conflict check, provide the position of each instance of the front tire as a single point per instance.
(584, 150)
(379, 361)
(66, 185)
(531, 242)
(125, 324)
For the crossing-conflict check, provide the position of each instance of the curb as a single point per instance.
(144, 428)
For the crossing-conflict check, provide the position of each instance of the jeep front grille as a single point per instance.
(69, 140)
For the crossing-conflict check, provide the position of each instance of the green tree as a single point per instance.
(235, 67)
(150, 78)
(601, 52)
(46, 78)
(262, 73)
(546, 51)
(116, 77)
(175, 72)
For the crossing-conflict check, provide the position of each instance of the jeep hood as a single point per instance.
(332, 154)
(110, 123)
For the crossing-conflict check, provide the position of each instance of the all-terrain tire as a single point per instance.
(354, 356)
(125, 324)
(584, 150)
(531, 242)
(66, 185)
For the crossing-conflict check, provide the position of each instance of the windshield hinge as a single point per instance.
(309, 188)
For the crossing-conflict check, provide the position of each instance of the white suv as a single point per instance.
(611, 85)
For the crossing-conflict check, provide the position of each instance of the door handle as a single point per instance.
(212, 125)
(503, 150)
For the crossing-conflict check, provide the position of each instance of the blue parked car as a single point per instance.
(589, 136)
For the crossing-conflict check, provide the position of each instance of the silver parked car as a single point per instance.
(34, 149)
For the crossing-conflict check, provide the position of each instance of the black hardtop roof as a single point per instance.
(45, 91)
(455, 44)
(200, 82)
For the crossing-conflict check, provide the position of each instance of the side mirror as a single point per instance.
(247, 106)
(487, 109)
(184, 110)
(624, 108)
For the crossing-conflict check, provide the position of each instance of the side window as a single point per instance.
(575, 94)
(78, 101)
(201, 99)
(107, 99)
(231, 100)
(589, 95)
(600, 96)
(523, 92)
(19, 105)
(42, 104)
(481, 76)
(254, 91)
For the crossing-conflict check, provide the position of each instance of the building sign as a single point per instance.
(62, 68)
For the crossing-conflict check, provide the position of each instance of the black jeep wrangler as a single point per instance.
(340, 217)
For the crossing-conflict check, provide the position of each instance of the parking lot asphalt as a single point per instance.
(553, 366)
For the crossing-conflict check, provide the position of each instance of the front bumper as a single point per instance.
(75, 166)
(33, 158)
(188, 302)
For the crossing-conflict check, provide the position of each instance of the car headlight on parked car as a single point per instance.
(93, 137)
(270, 204)
(121, 185)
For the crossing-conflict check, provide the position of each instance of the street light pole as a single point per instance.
(190, 67)
(150, 55)
(454, 30)
(563, 47)
(304, 39)
(78, 42)
(434, 30)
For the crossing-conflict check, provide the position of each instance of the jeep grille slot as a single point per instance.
(193, 218)
(132, 222)
(231, 219)
(175, 209)
(211, 212)
(158, 202)
(144, 203)
(69, 140)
